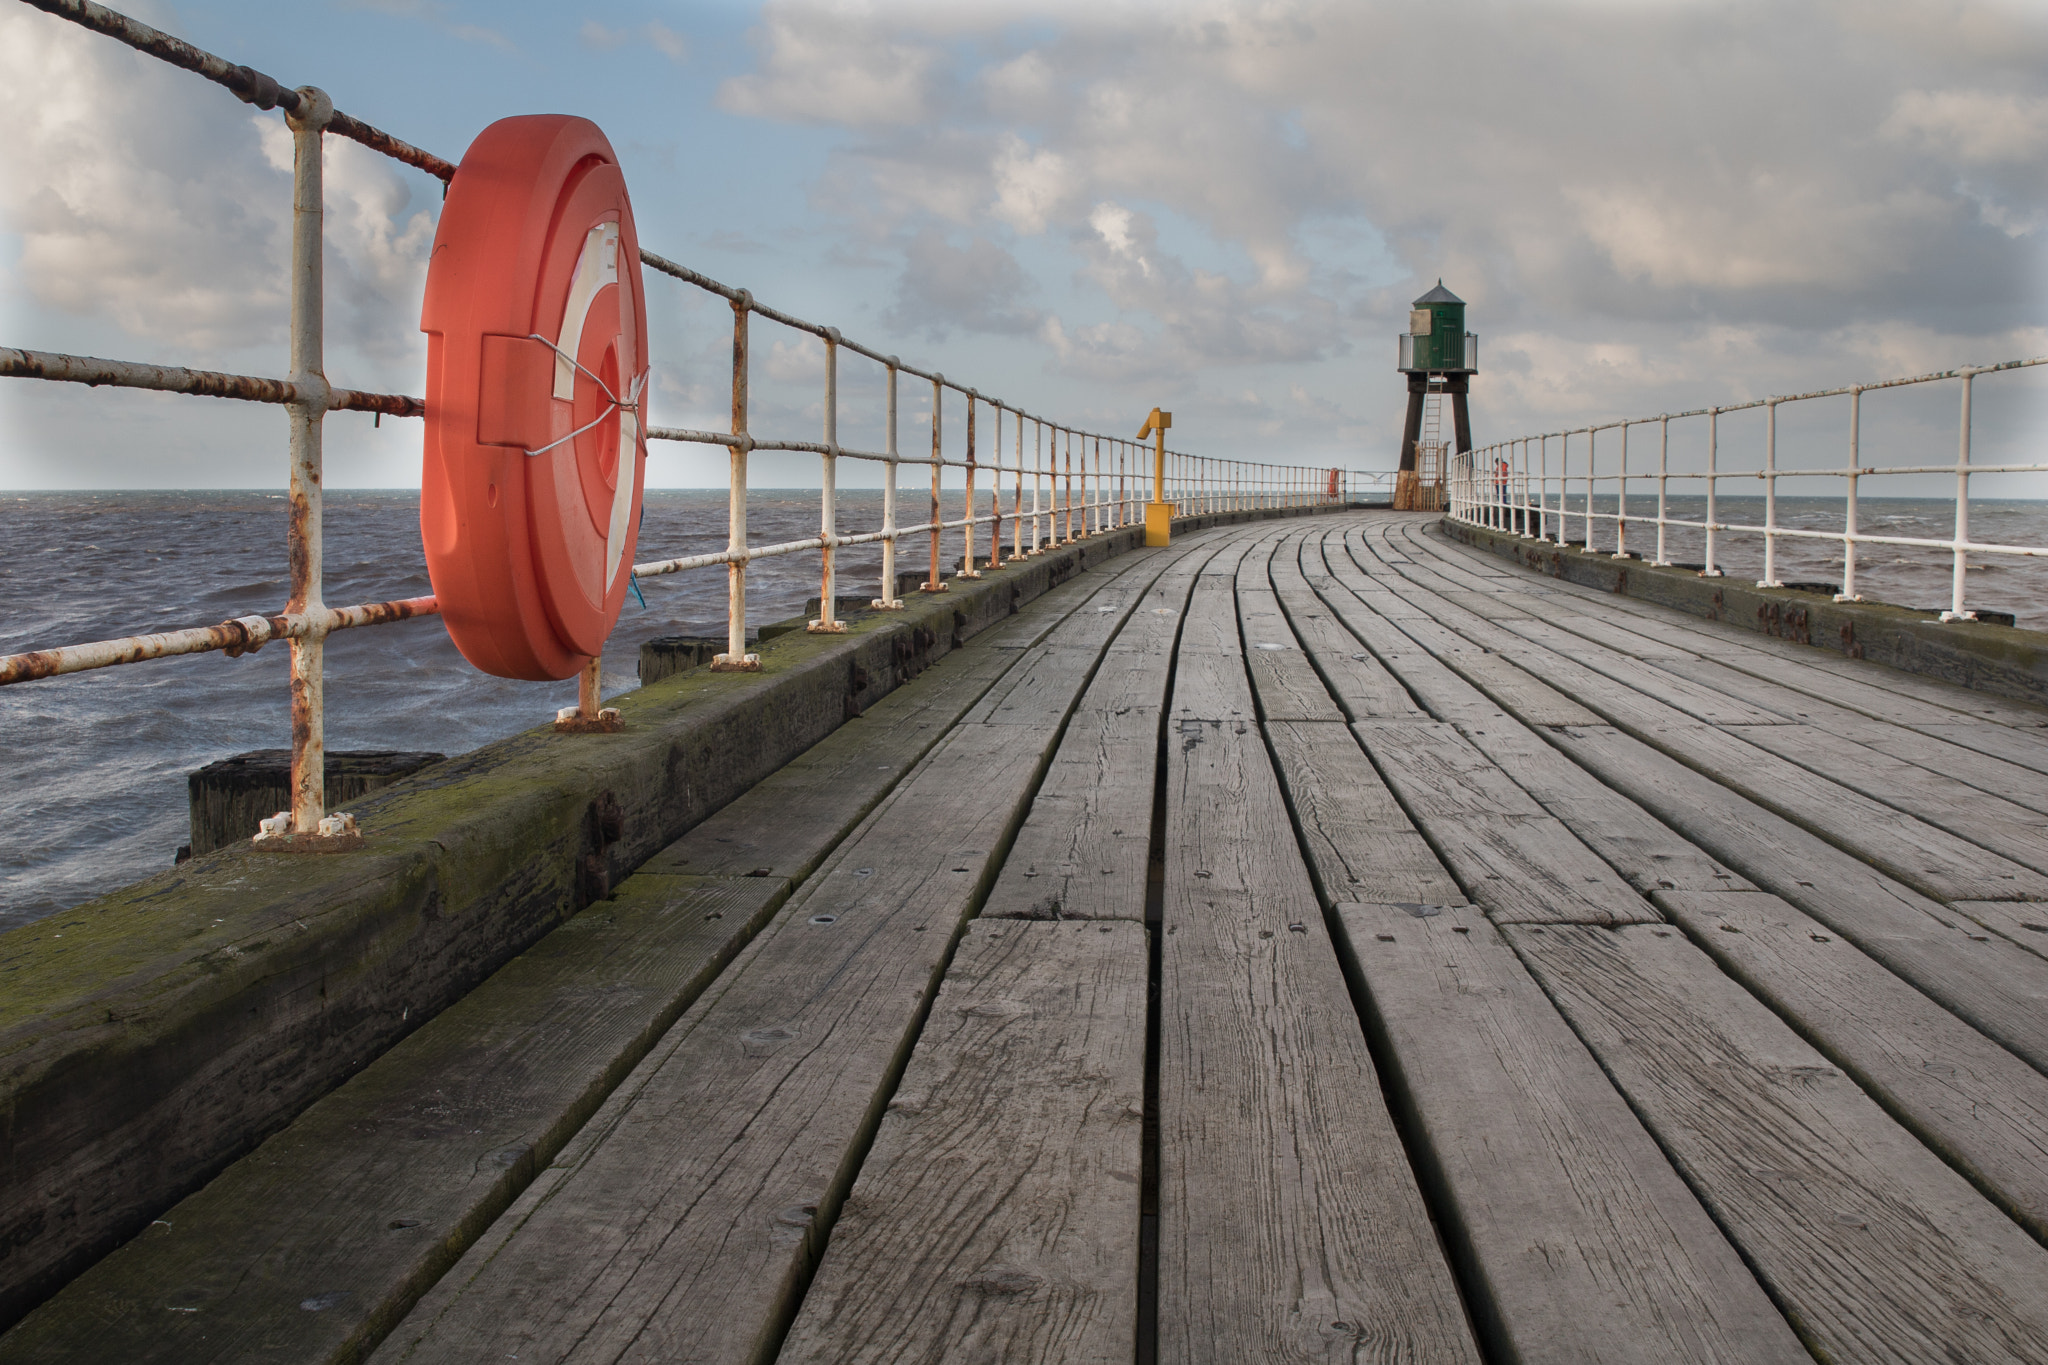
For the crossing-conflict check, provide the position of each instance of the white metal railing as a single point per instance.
(1082, 482)
(1511, 485)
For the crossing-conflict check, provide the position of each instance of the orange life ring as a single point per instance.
(536, 328)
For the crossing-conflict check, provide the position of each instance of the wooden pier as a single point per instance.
(1311, 941)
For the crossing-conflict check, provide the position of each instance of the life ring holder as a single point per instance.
(535, 455)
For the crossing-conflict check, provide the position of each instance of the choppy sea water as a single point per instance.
(93, 766)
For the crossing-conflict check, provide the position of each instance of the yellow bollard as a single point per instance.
(1158, 512)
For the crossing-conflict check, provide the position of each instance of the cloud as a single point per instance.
(1973, 125)
(834, 64)
(142, 196)
(1713, 197)
(971, 288)
(653, 33)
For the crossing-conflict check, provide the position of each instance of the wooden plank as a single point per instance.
(1578, 1240)
(996, 1217)
(1936, 849)
(1643, 850)
(1287, 685)
(370, 1195)
(2000, 827)
(1867, 729)
(1360, 683)
(1290, 1225)
(1359, 841)
(1405, 646)
(1513, 857)
(786, 823)
(2023, 922)
(1647, 853)
(1936, 862)
(1983, 1109)
(1085, 847)
(1874, 1247)
(1993, 984)
(1804, 666)
(681, 1222)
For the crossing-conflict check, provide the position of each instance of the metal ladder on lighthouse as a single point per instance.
(1429, 453)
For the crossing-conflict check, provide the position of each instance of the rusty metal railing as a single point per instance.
(1510, 485)
(1082, 483)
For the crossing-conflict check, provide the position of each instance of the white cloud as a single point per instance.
(834, 64)
(1031, 185)
(145, 197)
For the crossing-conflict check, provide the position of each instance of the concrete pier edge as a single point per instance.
(155, 1034)
(2005, 661)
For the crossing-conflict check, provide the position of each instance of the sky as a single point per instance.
(1086, 209)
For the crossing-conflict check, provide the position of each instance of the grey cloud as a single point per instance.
(973, 288)
(1747, 195)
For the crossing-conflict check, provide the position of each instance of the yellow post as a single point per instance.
(1158, 512)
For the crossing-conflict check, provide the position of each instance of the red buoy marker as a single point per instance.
(536, 328)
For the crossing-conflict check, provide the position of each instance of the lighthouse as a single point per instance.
(1439, 357)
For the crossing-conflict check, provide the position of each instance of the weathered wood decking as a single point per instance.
(1315, 941)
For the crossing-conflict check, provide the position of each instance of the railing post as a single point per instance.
(889, 601)
(308, 371)
(1037, 475)
(1957, 611)
(1522, 465)
(1770, 578)
(1621, 501)
(995, 494)
(1848, 592)
(1017, 498)
(1592, 461)
(828, 622)
(736, 659)
(936, 582)
(967, 569)
(1663, 476)
(1709, 569)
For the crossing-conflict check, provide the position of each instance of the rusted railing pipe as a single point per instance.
(130, 374)
(242, 635)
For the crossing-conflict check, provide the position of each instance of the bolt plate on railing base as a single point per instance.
(968, 573)
(726, 663)
(823, 627)
(879, 605)
(934, 587)
(570, 721)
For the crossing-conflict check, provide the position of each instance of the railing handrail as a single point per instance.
(1499, 495)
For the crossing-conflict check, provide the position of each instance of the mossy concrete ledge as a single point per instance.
(151, 1036)
(2002, 660)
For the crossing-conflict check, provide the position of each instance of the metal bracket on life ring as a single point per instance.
(536, 370)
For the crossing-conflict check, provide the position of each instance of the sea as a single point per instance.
(93, 778)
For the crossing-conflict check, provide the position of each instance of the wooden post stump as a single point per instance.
(230, 796)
